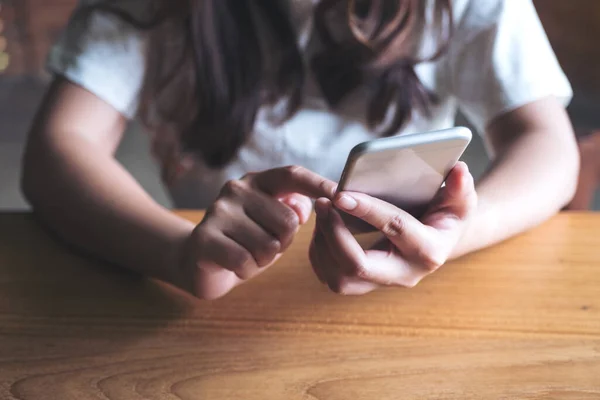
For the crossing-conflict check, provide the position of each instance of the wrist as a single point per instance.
(477, 232)
(175, 262)
(464, 245)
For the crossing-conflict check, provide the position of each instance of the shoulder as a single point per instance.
(510, 25)
(474, 16)
(478, 12)
(102, 53)
(500, 59)
(94, 27)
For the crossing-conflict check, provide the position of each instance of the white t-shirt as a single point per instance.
(499, 60)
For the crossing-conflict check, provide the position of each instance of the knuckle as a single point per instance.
(202, 236)
(289, 221)
(199, 231)
(234, 187)
(395, 227)
(293, 170)
(267, 251)
(430, 260)
(221, 208)
(240, 261)
(410, 283)
(244, 274)
(249, 176)
(272, 247)
(286, 241)
(327, 186)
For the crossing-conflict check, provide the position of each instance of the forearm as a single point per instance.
(532, 179)
(90, 201)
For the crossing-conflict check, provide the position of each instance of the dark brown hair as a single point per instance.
(213, 63)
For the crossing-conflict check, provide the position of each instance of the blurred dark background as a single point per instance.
(29, 27)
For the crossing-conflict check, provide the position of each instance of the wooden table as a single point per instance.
(521, 320)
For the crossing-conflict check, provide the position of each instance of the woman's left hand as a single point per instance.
(411, 249)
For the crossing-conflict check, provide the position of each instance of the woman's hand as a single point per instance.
(249, 226)
(411, 249)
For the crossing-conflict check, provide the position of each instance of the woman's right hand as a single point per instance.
(249, 226)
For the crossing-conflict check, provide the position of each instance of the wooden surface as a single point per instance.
(521, 320)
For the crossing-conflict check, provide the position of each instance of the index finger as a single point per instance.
(294, 179)
(402, 229)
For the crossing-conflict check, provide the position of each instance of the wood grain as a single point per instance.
(521, 320)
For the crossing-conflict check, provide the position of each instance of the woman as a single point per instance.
(233, 91)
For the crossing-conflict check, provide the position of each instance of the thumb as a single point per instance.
(456, 200)
(302, 205)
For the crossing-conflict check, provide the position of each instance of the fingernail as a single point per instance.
(347, 203)
(292, 202)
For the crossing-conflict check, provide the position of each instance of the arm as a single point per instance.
(81, 192)
(78, 189)
(533, 175)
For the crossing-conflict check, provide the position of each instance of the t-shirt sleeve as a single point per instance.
(502, 60)
(105, 56)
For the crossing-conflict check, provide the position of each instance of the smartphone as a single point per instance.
(406, 171)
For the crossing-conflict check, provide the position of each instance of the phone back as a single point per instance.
(406, 171)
